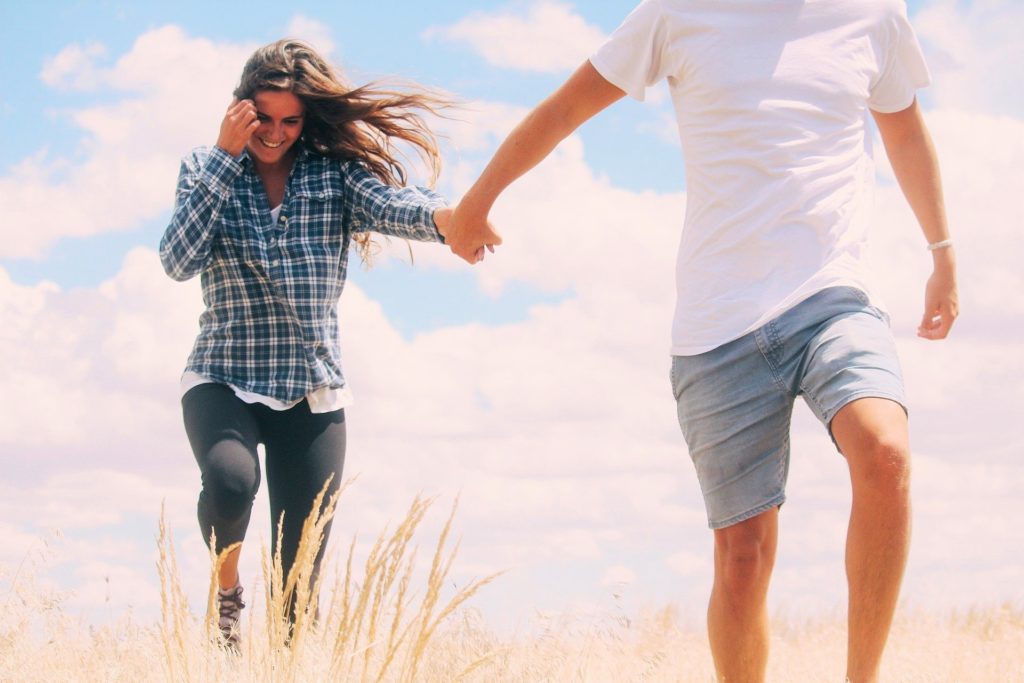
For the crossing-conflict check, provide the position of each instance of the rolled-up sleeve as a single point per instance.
(406, 212)
(903, 68)
(632, 58)
(204, 186)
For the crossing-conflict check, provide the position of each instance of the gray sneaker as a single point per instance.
(229, 603)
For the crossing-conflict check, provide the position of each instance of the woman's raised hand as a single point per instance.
(240, 122)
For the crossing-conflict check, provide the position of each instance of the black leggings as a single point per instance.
(303, 449)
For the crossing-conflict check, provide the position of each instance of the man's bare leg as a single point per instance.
(872, 433)
(737, 613)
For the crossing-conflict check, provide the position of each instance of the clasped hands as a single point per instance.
(467, 231)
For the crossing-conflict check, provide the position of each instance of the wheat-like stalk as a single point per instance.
(360, 620)
(425, 617)
(173, 606)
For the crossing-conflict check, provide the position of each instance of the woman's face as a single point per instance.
(280, 114)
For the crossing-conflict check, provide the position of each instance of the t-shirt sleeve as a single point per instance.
(633, 57)
(903, 69)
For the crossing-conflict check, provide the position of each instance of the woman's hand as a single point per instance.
(240, 122)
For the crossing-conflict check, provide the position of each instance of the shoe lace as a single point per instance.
(230, 607)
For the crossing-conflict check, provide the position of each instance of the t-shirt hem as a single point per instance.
(887, 108)
(779, 309)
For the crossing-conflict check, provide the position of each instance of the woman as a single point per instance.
(303, 166)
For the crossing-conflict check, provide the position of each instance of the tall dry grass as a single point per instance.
(376, 626)
(389, 620)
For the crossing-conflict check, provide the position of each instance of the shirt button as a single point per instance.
(273, 264)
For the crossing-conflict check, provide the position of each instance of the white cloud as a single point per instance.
(314, 32)
(74, 67)
(617, 576)
(16, 543)
(975, 52)
(95, 353)
(173, 89)
(549, 37)
(689, 564)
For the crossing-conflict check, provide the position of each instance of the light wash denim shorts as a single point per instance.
(735, 401)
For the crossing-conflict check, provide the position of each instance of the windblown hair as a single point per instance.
(360, 123)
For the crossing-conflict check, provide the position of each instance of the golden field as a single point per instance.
(385, 619)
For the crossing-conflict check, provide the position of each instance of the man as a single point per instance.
(774, 298)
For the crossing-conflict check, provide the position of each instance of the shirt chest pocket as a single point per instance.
(313, 227)
(316, 215)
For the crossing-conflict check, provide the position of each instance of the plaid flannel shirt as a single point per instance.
(271, 289)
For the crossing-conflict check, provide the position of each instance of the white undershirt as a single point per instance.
(322, 400)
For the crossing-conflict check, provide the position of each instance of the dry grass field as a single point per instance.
(387, 620)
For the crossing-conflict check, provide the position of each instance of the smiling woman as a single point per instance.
(279, 115)
(302, 168)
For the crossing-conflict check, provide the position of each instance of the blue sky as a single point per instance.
(534, 386)
(636, 163)
(360, 51)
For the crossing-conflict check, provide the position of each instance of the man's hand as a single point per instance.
(941, 304)
(910, 150)
(469, 233)
(579, 98)
(240, 122)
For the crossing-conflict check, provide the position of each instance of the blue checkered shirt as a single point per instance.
(271, 325)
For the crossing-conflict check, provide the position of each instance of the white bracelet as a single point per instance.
(940, 245)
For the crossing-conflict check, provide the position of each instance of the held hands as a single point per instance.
(941, 305)
(468, 232)
(443, 221)
(240, 122)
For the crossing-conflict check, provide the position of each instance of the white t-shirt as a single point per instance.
(771, 99)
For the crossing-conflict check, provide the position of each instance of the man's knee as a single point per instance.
(882, 461)
(745, 553)
(873, 435)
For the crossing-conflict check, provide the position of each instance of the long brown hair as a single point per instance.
(361, 123)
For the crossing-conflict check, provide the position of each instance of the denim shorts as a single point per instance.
(735, 401)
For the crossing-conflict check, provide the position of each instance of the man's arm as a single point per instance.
(912, 155)
(582, 96)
